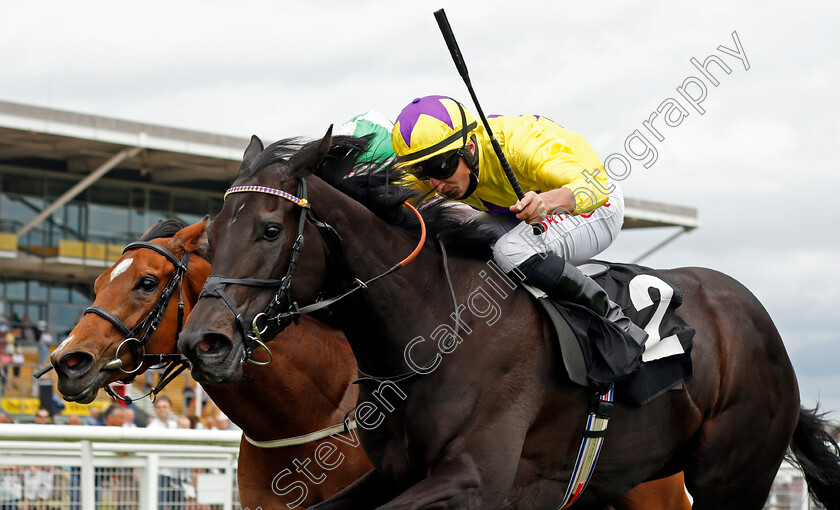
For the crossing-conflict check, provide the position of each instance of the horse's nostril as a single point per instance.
(73, 360)
(205, 345)
(214, 343)
(76, 362)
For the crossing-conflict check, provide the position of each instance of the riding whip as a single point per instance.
(452, 44)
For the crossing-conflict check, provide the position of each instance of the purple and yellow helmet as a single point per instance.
(429, 126)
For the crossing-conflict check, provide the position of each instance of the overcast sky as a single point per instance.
(758, 164)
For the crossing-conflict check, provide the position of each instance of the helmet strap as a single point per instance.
(471, 159)
(471, 187)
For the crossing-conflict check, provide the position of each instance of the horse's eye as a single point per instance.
(147, 284)
(271, 233)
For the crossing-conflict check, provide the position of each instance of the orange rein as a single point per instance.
(420, 244)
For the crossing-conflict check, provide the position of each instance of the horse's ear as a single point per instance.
(308, 159)
(193, 238)
(251, 153)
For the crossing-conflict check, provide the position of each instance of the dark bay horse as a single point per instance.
(476, 411)
(305, 389)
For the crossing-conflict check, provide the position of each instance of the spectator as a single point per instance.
(114, 416)
(42, 417)
(163, 414)
(210, 423)
(58, 404)
(74, 419)
(37, 485)
(169, 480)
(189, 395)
(195, 422)
(183, 422)
(93, 419)
(114, 486)
(224, 423)
(9, 351)
(5, 359)
(45, 340)
(129, 418)
(28, 331)
(5, 418)
(17, 361)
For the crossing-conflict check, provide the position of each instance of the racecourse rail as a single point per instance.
(90, 467)
(82, 464)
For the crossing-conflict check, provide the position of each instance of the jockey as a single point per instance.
(566, 189)
(375, 124)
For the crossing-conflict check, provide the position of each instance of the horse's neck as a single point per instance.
(308, 382)
(397, 307)
(307, 386)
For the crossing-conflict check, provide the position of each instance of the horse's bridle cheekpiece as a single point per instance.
(214, 287)
(137, 336)
(215, 284)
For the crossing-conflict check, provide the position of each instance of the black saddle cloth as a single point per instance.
(650, 299)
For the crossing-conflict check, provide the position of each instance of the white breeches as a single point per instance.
(574, 238)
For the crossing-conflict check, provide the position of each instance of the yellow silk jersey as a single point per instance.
(543, 156)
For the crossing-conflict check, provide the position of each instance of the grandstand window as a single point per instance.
(190, 209)
(19, 209)
(16, 289)
(17, 310)
(59, 292)
(74, 215)
(81, 293)
(63, 318)
(159, 203)
(38, 291)
(141, 217)
(108, 224)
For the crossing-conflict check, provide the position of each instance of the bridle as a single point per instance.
(214, 287)
(136, 337)
(215, 284)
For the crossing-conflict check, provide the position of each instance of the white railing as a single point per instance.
(90, 468)
(113, 468)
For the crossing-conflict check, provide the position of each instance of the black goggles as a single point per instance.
(442, 166)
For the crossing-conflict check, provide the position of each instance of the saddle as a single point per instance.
(593, 350)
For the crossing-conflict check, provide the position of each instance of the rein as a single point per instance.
(137, 336)
(365, 377)
(341, 428)
(214, 287)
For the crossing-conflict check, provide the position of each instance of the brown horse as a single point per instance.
(305, 389)
(468, 406)
(279, 393)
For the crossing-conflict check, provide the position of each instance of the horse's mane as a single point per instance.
(377, 186)
(162, 229)
(278, 152)
(165, 229)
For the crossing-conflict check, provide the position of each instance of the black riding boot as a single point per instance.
(561, 280)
